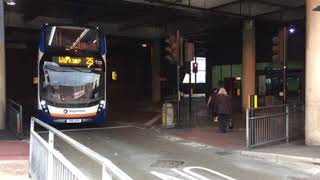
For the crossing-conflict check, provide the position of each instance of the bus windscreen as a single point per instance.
(69, 37)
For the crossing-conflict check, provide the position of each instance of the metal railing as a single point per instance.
(297, 121)
(267, 125)
(14, 114)
(47, 163)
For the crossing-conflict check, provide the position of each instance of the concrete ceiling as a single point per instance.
(152, 18)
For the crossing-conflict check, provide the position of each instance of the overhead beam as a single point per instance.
(279, 11)
(218, 13)
(271, 4)
(226, 4)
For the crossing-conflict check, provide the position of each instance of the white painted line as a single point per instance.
(189, 174)
(129, 124)
(183, 174)
(91, 129)
(164, 176)
(153, 120)
(188, 170)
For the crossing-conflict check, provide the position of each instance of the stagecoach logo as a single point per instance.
(65, 111)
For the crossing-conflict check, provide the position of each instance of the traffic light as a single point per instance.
(189, 50)
(173, 48)
(278, 48)
(170, 40)
(195, 67)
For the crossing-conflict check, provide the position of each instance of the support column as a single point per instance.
(248, 61)
(155, 64)
(2, 70)
(312, 111)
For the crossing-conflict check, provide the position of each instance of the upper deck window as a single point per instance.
(69, 37)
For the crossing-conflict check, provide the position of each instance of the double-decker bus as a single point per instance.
(71, 75)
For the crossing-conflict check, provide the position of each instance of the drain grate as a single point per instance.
(167, 163)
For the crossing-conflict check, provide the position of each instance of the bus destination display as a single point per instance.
(88, 62)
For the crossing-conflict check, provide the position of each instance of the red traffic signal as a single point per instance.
(195, 67)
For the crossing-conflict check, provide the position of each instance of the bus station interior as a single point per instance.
(218, 36)
(233, 47)
(233, 42)
(136, 46)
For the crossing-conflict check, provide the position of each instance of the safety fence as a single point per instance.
(15, 119)
(267, 125)
(198, 116)
(47, 163)
(296, 121)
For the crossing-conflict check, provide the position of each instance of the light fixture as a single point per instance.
(292, 29)
(80, 37)
(11, 2)
(144, 45)
(317, 8)
(53, 30)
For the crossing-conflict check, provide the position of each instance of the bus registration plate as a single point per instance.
(73, 121)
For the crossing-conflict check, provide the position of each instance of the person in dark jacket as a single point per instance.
(222, 107)
(210, 104)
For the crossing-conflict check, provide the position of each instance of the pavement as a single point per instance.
(14, 157)
(14, 170)
(148, 154)
(144, 150)
(134, 140)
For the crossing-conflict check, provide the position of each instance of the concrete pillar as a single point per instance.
(2, 69)
(248, 61)
(312, 111)
(155, 65)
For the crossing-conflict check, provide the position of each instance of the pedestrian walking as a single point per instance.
(210, 104)
(222, 106)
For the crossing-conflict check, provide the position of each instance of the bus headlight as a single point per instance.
(43, 102)
(102, 105)
(44, 106)
(103, 102)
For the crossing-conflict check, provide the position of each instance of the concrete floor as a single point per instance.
(152, 153)
(140, 152)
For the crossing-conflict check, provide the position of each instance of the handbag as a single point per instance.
(230, 124)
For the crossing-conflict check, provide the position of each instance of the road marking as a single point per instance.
(129, 124)
(102, 128)
(153, 120)
(91, 129)
(188, 170)
(183, 174)
(164, 176)
(189, 174)
(196, 145)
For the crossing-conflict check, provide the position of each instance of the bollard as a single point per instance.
(252, 104)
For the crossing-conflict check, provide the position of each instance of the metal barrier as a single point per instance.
(14, 115)
(198, 117)
(267, 125)
(46, 163)
(297, 121)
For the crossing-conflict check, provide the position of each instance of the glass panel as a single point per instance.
(71, 85)
(201, 75)
(216, 76)
(69, 37)
(236, 70)
(201, 63)
(226, 71)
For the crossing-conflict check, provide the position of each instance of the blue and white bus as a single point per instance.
(71, 75)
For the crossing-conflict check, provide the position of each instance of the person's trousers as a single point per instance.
(223, 122)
